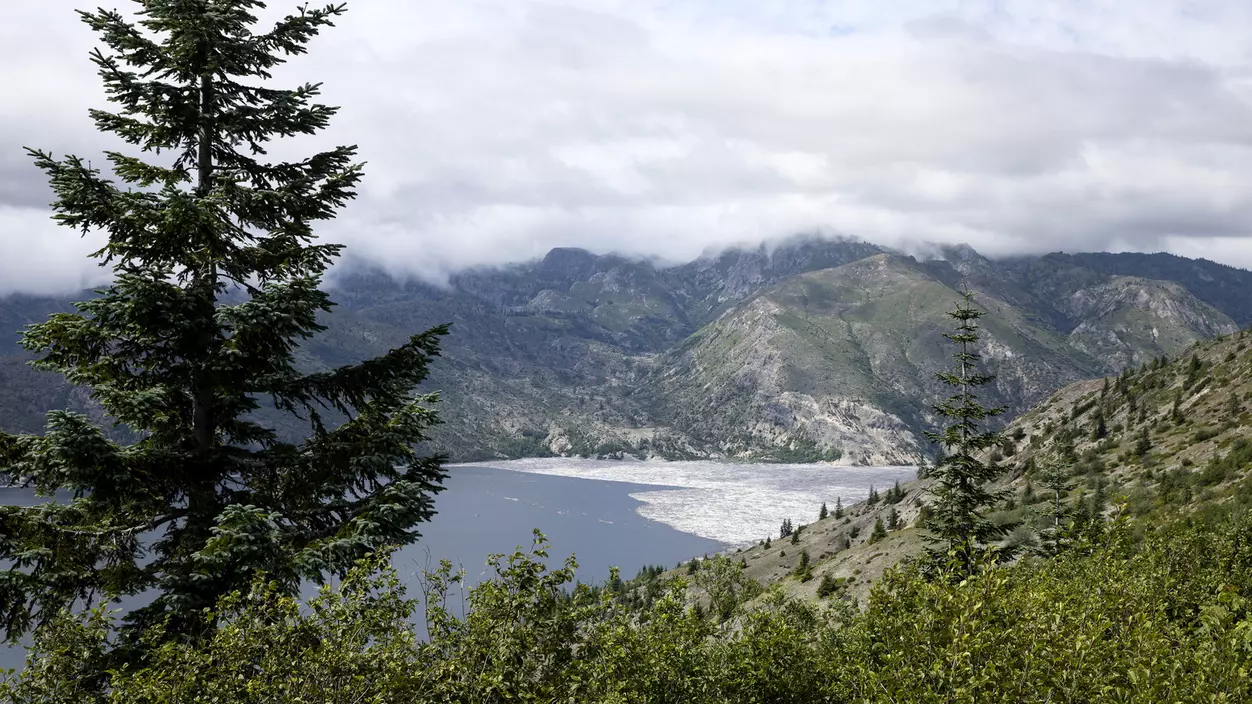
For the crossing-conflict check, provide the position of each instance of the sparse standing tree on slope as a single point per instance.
(1056, 480)
(879, 532)
(960, 533)
(216, 280)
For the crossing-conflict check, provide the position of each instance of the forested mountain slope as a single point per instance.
(810, 350)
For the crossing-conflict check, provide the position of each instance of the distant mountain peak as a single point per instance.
(563, 257)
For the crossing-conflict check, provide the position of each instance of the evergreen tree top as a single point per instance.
(216, 282)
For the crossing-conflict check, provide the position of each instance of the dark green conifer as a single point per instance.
(959, 530)
(1056, 481)
(1194, 367)
(1144, 444)
(880, 532)
(1233, 406)
(827, 586)
(215, 281)
(1099, 429)
(822, 513)
(895, 494)
(893, 519)
(803, 570)
(838, 507)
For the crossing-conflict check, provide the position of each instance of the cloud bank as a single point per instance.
(497, 129)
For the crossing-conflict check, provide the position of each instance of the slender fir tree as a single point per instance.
(822, 513)
(1057, 483)
(216, 278)
(960, 532)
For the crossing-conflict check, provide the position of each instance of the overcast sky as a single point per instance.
(497, 129)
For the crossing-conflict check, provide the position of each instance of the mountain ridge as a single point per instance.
(834, 344)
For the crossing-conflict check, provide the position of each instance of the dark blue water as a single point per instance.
(488, 510)
(484, 511)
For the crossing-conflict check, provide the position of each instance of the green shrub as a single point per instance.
(1144, 614)
(1205, 434)
(830, 586)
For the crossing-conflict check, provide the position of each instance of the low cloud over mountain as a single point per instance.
(497, 129)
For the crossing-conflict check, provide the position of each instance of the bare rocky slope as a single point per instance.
(811, 350)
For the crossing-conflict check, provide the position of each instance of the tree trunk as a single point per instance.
(205, 279)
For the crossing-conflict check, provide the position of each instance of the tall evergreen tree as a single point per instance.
(838, 507)
(822, 513)
(1056, 480)
(216, 280)
(959, 530)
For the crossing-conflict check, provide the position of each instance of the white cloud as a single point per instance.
(495, 129)
(41, 258)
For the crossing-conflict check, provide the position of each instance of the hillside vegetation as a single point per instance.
(1176, 440)
(1134, 613)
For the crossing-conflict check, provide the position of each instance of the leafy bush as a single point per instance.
(1205, 434)
(1141, 615)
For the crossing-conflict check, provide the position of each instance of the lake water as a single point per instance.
(623, 514)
